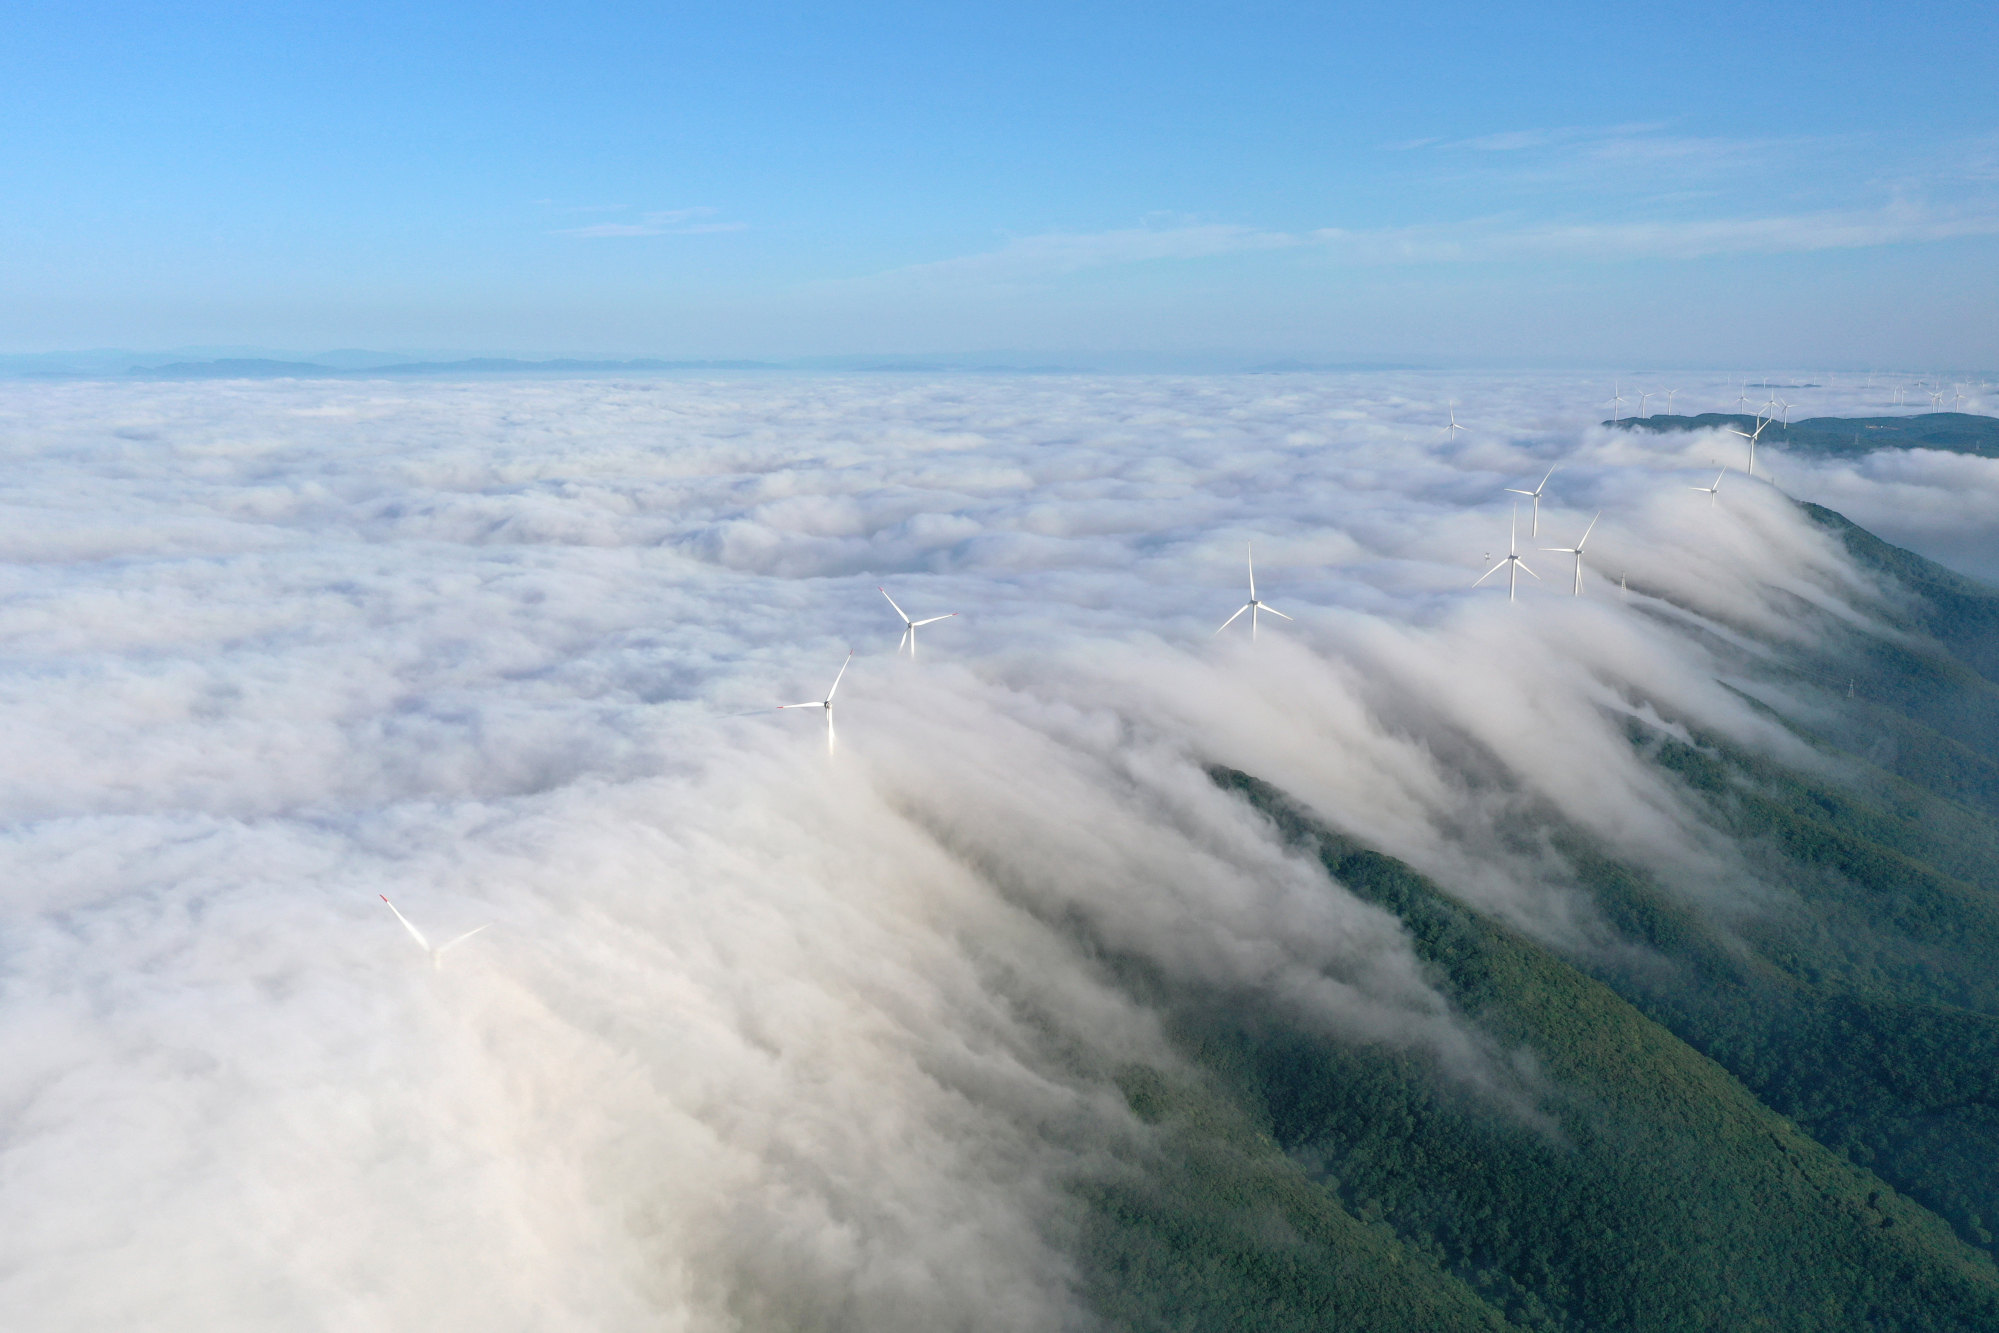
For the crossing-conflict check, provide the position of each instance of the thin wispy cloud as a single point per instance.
(1056, 253)
(1650, 159)
(1484, 240)
(665, 222)
(1799, 233)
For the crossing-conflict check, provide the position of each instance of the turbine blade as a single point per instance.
(891, 601)
(1232, 619)
(1252, 572)
(462, 938)
(1273, 610)
(1517, 491)
(1544, 478)
(415, 934)
(933, 620)
(1489, 573)
(843, 671)
(1587, 531)
(1531, 573)
(809, 703)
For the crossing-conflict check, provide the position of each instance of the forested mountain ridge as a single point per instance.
(1847, 437)
(1789, 1121)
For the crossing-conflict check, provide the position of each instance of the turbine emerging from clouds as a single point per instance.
(1577, 551)
(436, 952)
(827, 702)
(1535, 496)
(1253, 606)
(909, 627)
(1512, 564)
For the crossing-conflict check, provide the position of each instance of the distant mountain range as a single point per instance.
(1958, 432)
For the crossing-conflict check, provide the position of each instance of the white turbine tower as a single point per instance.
(1252, 605)
(1512, 564)
(1535, 496)
(827, 702)
(1714, 491)
(909, 627)
(1577, 552)
(1761, 425)
(437, 953)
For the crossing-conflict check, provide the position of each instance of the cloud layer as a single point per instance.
(761, 1035)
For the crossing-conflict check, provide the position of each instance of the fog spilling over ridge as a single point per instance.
(764, 1036)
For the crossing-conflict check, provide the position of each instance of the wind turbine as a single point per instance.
(1761, 426)
(909, 627)
(1512, 564)
(1714, 491)
(1252, 605)
(1577, 552)
(1451, 431)
(1786, 405)
(827, 702)
(1669, 400)
(1617, 400)
(436, 954)
(1535, 496)
(1956, 397)
(1641, 401)
(1742, 395)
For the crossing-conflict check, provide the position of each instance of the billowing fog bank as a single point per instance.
(762, 1035)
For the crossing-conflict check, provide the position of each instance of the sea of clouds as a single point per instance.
(769, 1032)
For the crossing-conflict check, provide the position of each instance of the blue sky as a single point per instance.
(1431, 182)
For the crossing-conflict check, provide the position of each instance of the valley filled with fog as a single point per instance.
(767, 1033)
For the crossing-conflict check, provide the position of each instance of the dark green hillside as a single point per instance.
(1788, 1119)
(1866, 1008)
(1958, 432)
(1960, 613)
(1303, 1182)
(1216, 1228)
